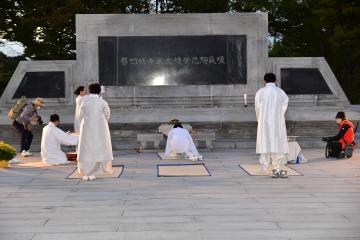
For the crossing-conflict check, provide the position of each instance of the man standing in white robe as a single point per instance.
(95, 149)
(180, 141)
(51, 140)
(271, 104)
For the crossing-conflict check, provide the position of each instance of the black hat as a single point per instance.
(340, 115)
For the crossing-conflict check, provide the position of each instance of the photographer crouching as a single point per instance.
(23, 123)
(342, 144)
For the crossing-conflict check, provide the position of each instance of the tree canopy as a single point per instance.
(307, 28)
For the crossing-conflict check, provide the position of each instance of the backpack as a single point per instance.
(17, 108)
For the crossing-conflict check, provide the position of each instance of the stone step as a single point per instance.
(228, 135)
(132, 144)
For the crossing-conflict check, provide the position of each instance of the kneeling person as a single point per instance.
(179, 141)
(345, 136)
(52, 138)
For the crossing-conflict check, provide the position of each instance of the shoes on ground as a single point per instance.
(25, 153)
(92, 177)
(279, 174)
(85, 178)
(275, 174)
(14, 161)
(283, 174)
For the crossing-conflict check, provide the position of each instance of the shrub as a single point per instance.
(7, 152)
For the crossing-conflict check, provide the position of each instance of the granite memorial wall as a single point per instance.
(172, 60)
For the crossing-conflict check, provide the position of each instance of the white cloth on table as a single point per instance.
(95, 149)
(294, 151)
(180, 141)
(294, 155)
(51, 140)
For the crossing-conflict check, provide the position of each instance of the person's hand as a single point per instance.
(34, 119)
(28, 127)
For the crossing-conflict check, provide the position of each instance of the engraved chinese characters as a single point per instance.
(172, 60)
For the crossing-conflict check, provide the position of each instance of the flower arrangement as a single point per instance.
(7, 152)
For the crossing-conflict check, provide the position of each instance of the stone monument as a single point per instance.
(203, 69)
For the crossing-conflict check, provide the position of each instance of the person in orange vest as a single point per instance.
(345, 135)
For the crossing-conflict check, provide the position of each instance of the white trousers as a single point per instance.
(277, 160)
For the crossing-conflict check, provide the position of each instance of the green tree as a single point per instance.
(192, 6)
(315, 28)
(7, 67)
(47, 28)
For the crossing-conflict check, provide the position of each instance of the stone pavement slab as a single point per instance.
(40, 203)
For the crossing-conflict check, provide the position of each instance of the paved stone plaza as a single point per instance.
(40, 204)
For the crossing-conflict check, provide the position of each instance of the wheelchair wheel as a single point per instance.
(327, 151)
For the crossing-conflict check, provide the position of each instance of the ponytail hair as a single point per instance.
(78, 90)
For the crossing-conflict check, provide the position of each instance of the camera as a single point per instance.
(40, 121)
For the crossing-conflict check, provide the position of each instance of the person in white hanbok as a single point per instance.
(180, 141)
(80, 97)
(51, 141)
(95, 149)
(271, 104)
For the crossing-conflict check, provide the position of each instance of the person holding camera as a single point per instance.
(23, 123)
(341, 145)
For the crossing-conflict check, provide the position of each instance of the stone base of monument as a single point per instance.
(145, 138)
(229, 135)
(208, 138)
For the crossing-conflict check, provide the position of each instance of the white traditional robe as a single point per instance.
(51, 140)
(271, 104)
(79, 100)
(180, 141)
(95, 149)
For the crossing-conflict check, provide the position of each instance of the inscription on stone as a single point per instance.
(172, 60)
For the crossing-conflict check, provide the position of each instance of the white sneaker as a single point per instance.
(14, 161)
(85, 178)
(200, 158)
(24, 153)
(29, 153)
(92, 177)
